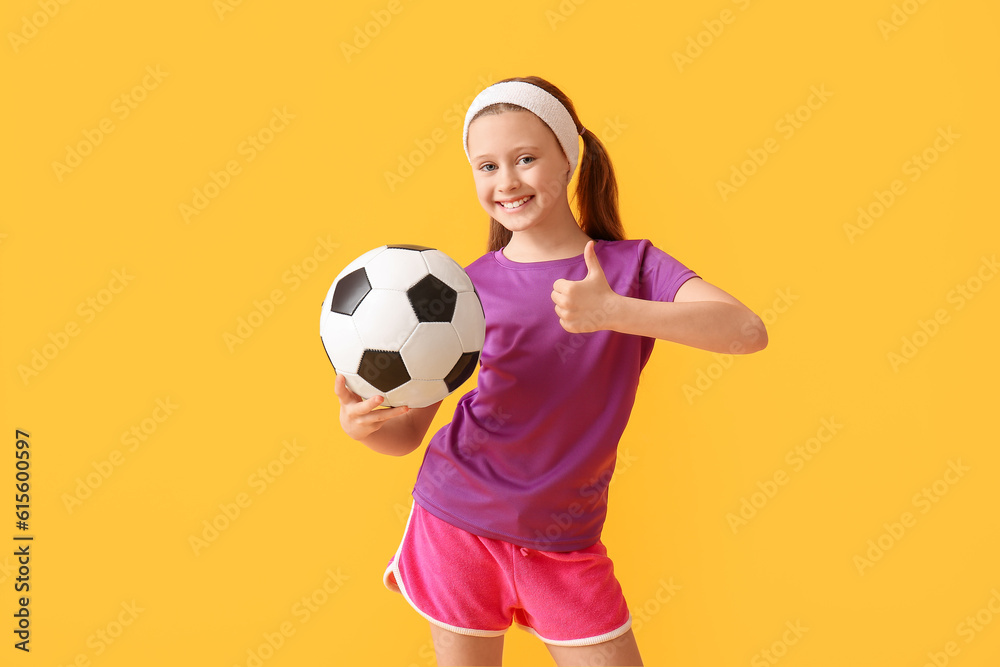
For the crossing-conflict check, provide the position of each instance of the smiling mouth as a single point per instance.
(518, 203)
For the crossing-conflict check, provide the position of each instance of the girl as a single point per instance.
(511, 496)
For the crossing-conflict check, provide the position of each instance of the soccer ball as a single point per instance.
(405, 322)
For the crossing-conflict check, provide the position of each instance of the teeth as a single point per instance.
(515, 204)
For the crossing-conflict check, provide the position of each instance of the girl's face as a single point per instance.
(517, 161)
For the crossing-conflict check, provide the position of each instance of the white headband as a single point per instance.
(536, 100)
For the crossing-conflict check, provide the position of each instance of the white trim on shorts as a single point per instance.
(394, 568)
(586, 641)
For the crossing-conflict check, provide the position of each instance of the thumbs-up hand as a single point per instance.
(585, 305)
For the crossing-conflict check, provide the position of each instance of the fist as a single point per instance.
(585, 305)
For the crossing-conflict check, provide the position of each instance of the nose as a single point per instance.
(508, 180)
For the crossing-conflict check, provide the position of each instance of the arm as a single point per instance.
(392, 431)
(701, 315)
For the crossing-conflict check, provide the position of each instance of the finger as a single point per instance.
(361, 408)
(590, 257)
(389, 413)
(560, 285)
(369, 404)
(343, 393)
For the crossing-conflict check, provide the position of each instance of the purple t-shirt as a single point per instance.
(528, 456)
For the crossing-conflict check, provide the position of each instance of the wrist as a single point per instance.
(618, 311)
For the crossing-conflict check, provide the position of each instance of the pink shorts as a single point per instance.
(476, 585)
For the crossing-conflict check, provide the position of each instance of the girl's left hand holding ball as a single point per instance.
(358, 417)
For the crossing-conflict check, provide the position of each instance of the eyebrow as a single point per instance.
(515, 149)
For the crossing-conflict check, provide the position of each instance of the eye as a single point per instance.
(488, 164)
(527, 157)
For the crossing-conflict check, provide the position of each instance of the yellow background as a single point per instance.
(836, 309)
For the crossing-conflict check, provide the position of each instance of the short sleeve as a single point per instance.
(660, 275)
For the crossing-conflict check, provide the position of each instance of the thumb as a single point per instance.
(590, 257)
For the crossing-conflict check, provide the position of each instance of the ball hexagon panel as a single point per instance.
(448, 270)
(432, 300)
(341, 341)
(396, 268)
(385, 320)
(432, 350)
(469, 321)
(417, 393)
(383, 370)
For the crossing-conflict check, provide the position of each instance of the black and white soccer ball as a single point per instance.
(403, 321)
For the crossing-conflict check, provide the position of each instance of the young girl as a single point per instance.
(511, 496)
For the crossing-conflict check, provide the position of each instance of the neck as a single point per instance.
(555, 241)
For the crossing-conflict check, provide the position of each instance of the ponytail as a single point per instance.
(597, 192)
(596, 186)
